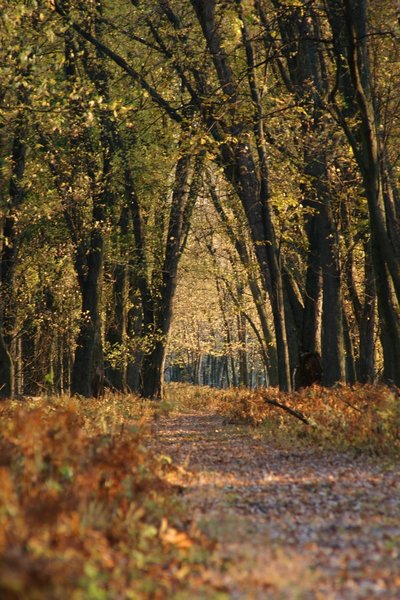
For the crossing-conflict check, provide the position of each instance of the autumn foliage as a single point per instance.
(89, 511)
(86, 511)
(359, 417)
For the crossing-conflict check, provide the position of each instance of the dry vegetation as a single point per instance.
(364, 418)
(89, 510)
(86, 510)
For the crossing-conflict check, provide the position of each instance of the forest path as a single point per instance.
(295, 524)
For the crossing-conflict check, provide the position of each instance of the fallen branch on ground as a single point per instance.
(291, 411)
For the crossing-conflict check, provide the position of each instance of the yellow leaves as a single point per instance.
(7, 504)
(6, 487)
(173, 537)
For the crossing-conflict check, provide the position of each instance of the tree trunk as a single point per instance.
(333, 352)
(349, 22)
(8, 258)
(197, 370)
(240, 169)
(304, 71)
(311, 333)
(152, 372)
(6, 371)
(157, 330)
(88, 369)
(349, 347)
(242, 338)
(259, 297)
(366, 361)
(117, 329)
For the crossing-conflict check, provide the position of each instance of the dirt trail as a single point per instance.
(298, 524)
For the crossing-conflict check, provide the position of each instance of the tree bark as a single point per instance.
(88, 369)
(183, 197)
(259, 298)
(116, 375)
(351, 46)
(366, 361)
(8, 258)
(305, 76)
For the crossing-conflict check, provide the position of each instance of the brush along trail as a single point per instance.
(287, 523)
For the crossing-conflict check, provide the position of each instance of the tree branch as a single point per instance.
(291, 411)
(121, 62)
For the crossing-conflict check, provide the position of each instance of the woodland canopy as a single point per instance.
(198, 190)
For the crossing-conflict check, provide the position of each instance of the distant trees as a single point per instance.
(281, 116)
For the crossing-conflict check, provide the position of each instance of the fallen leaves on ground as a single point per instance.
(86, 511)
(209, 495)
(288, 523)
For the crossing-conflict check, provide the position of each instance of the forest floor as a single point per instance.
(287, 522)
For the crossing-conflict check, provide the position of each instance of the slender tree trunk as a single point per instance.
(183, 198)
(292, 319)
(304, 73)
(240, 169)
(6, 371)
(88, 369)
(259, 218)
(197, 370)
(242, 338)
(117, 329)
(259, 297)
(349, 347)
(8, 259)
(333, 351)
(366, 361)
(134, 331)
(311, 333)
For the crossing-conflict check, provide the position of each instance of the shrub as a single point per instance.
(86, 510)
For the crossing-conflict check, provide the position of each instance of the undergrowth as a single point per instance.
(365, 418)
(87, 511)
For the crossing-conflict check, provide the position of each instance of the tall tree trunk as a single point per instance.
(134, 332)
(6, 370)
(8, 258)
(349, 347)
(88, 369)
(117, 329)
(259, 296)
(333, 350)
(183, 198)
(305, 76)
(366, 361)
(152, 371)
(311, 332)
(349, 23)
(242, 338)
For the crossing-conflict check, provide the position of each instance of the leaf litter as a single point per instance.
(287, 522)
